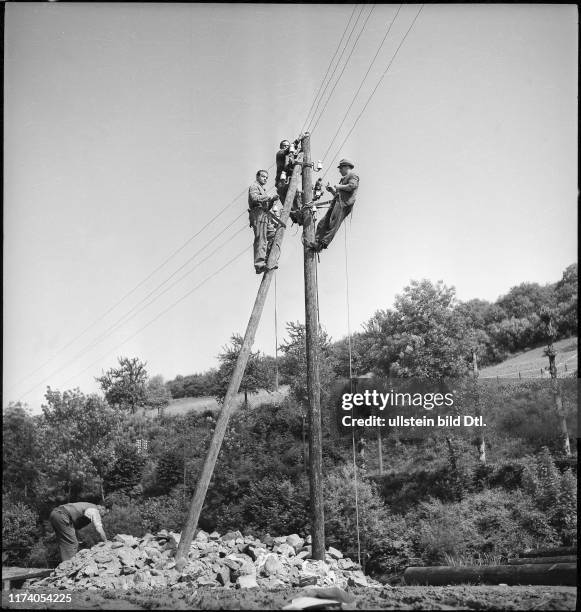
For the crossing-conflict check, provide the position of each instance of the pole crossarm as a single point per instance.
(234, 385)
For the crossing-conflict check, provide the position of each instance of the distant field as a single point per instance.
(530, 363)
(199, 404)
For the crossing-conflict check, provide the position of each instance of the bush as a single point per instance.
(164, 512)
(170, 470)
(506, 474)
(124, 518)
(19, 531)
(555, 494)
(403, 491)
(384, 546)
(127, 469)
(45, 552)
(272, 505)
(493, 522)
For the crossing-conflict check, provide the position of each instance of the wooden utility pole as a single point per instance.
(551, 353)
(481, 442)
(313, 381)
(228, 407)
(379, 451)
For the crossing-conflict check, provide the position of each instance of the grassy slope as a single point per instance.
(199, 404)
(530, 363)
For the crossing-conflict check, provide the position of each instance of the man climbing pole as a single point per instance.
(285, 160)
(341, 205)
(284, 167)
(259, 205)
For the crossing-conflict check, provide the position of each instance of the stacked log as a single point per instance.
(550, 566)
(545, 574)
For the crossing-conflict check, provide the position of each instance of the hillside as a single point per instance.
(200, 404)
(531, 362)
(528, 363)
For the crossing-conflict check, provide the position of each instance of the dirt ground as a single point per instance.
(398, 598)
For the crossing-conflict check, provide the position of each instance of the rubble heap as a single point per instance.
(231, 560)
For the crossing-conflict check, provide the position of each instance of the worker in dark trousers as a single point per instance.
(341, 206)
(258, 203)
(284, 168)
(69, 518)
(285, 159)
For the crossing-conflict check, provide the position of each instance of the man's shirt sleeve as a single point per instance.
(351, 185)
(93, 514)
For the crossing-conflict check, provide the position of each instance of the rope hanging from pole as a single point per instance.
(275, 335)
(351, 385)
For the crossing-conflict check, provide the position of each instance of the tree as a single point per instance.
(551, 353)
(19, 531)
(526, 299)
(345, 361)
(566, 292)
(425, 336)
(294, 365)
(125, 386)
(20, 469)
(76, 440)
(157, 394)
(176, 387)
(257, 374)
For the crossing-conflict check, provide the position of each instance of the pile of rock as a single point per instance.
(231, 560)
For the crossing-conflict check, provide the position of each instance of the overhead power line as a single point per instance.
(121, 321)
(328, 68)
(362, 81)
(343, 70)
(338, 62)
(322, 87)
(130, 292)
(377, 85)
(163, 312)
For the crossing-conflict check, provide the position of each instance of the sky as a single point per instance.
(132, 133)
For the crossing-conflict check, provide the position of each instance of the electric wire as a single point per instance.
(314, 127)
(136, 309)
(378, 83)
(174, 253)
(329, 67)
(132, 291)
(141, 283)
(191, 238)
(337, 64)
(86, 349)
(362, 81)
(163, 312)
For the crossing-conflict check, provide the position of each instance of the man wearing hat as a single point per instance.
(344, 197)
